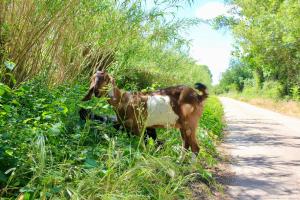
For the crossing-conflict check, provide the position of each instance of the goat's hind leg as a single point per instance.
(185, 143)
(194, 144)
(189, 140)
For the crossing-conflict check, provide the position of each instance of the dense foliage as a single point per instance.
(267, 53)
(47, 152)
(48, 51)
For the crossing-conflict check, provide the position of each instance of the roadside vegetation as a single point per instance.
(48, 51)
(266, 59)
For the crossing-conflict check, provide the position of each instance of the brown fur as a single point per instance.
(131, 108)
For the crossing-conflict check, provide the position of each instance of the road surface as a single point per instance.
(265, 151)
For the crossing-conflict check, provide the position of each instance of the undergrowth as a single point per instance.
(46, 152)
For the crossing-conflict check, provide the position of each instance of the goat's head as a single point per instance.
(100, 83)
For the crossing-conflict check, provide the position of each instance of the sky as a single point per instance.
(208, 46)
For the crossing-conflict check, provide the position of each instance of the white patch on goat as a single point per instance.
(160, 111)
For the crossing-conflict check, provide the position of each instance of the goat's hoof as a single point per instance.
(194, 158)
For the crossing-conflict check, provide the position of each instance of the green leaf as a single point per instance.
(7, 108)
(2, 91)
(27, 196)
(26, 189)
(9, 152)
(46, 115)
(56, 128)
(27, 120)
(90, 163)
(4, 88)
(15, 102)
(65, 109)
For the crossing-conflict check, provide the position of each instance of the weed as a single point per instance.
(47, 152)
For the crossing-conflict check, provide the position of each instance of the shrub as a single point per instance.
(212, 117)
(250, 92)
(272, 89)
(295, 92)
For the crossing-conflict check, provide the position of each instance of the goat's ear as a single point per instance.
(89, 95)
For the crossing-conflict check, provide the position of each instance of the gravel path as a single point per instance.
(265, 151)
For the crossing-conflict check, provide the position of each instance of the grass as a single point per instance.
(46, 152)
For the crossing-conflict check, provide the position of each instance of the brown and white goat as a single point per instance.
(179, 107)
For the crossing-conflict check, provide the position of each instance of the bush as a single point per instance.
(295, 91)
(212, 117)
(272, 89)
(250, 92)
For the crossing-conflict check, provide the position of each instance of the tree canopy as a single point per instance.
(267, 40)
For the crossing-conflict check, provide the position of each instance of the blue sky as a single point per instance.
(209, 46)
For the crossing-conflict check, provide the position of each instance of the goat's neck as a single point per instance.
(114, 95)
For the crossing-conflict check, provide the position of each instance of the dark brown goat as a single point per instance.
(179, 107)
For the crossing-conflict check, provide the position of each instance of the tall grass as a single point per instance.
(65, 40)
(56, 38)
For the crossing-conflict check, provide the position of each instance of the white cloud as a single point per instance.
(211, 48)
(212, 10)
(217, 59)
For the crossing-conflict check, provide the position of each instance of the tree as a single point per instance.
(267, 36)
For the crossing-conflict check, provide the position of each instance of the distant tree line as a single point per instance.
(267, 46)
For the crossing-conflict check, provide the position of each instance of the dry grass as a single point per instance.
(65, 41)
(36, 37)
(291, 108)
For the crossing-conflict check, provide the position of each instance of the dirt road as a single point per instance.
(265, 150)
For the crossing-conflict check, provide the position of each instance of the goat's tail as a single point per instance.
(203, 90)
